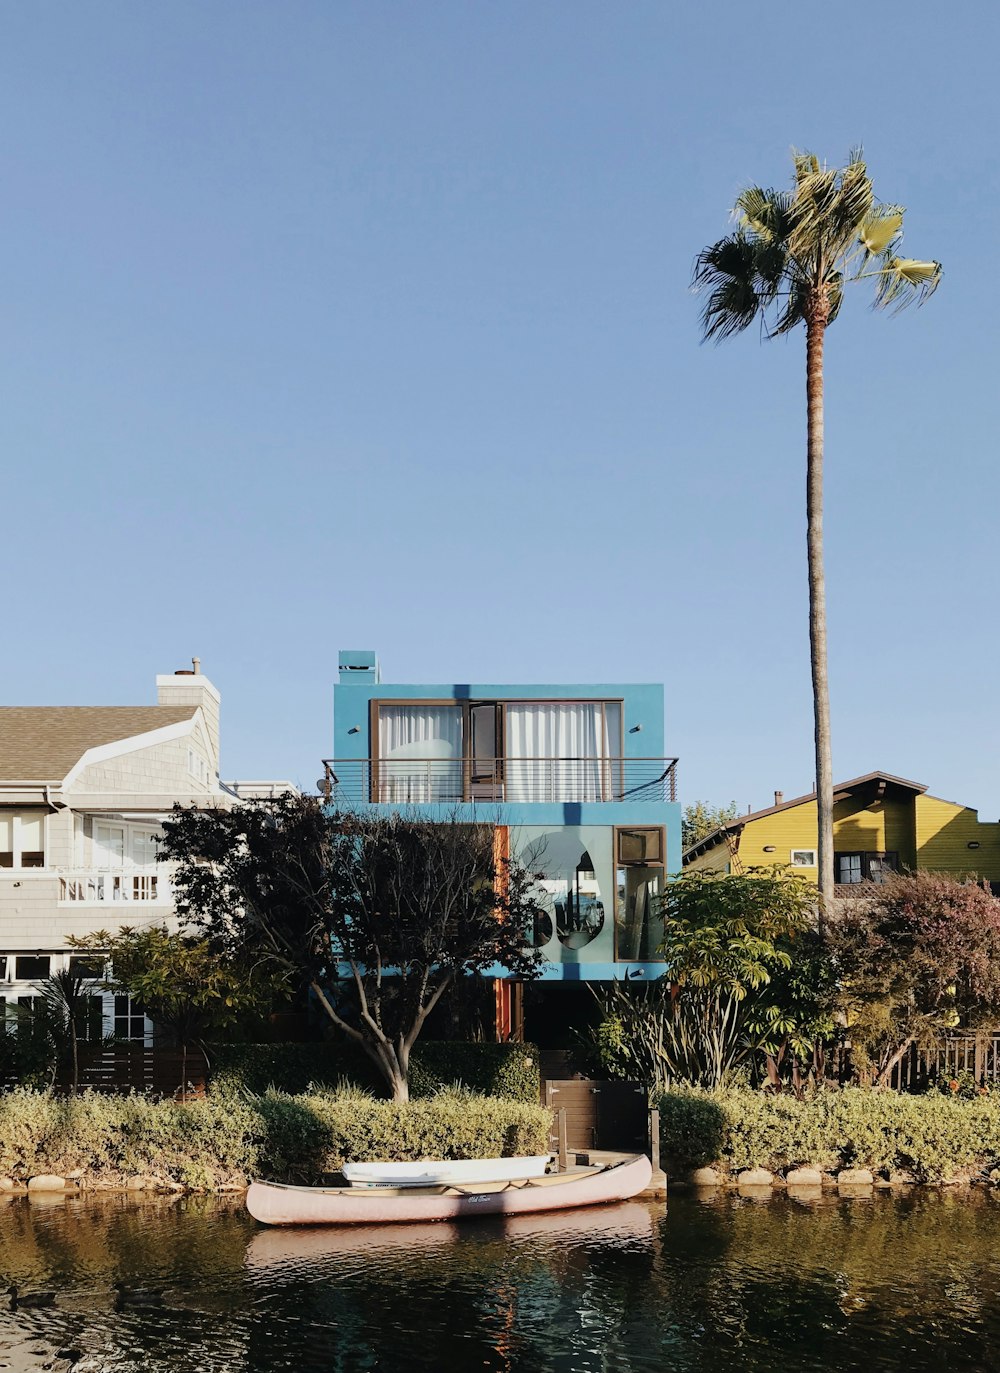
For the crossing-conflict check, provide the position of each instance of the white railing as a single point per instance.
(136, 885)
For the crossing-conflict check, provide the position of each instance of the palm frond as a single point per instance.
(728, 271)
(794, 310)
(879, 228)
(764, 213)
(904, 281)
(852, 204)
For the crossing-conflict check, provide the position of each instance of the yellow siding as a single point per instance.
(944, 832)
(928, 834)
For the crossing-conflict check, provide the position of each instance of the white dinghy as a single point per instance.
(444, 1172)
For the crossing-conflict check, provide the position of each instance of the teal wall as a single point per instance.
(642, 706)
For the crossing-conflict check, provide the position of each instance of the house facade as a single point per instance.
(83, 793)
(575, 778)
(881, 824)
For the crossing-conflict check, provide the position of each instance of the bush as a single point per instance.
(225, 1141)
(502, 1070)
(933, 1137)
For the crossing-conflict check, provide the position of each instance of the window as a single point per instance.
(852, 868)
(197, 767)
(130, 1022)
(497, 750)
(639, 884)
(803, 858)
(31, 967)
(90, 1018)
(563, 750)
(573, 872)
(86, 965)
(22, 839)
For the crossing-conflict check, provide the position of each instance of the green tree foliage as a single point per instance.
(376, 915)
(42, 1038)
(746, 979)
(786, 264)
(916, 957)
(700, 819)
(183, 984)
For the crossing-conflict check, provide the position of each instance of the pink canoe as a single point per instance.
(275, 1204)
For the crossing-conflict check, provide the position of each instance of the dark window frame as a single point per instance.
(867, 857)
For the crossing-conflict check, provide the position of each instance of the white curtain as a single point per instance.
(561, 751)
(420, 753)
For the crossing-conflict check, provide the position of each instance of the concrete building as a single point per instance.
(575, 779)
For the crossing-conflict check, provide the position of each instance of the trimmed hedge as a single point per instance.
(225, 1141)
(934, 1138)
(502, 1070)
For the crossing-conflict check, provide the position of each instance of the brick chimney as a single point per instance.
(189, 687)
(779, 796)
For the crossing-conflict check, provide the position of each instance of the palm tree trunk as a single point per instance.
(815, 329)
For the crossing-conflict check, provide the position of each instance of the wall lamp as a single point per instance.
(769, 848)
(635, 729)
(972, 844)
(355, 729)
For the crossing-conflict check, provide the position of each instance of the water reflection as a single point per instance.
(721, 1282)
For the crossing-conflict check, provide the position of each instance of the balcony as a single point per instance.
(115, 886)
(417, 781)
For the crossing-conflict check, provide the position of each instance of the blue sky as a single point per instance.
(364, 324)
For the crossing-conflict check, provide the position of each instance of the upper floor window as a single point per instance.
(123, 846)
(198, 767)
(497, 750)
(22, 839)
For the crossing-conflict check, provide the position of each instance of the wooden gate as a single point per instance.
(599, 1115)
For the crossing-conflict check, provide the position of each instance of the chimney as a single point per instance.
(779, 796)
(359, 665)
(188, 687)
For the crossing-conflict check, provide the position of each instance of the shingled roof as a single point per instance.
(42, 743)
(875, 783)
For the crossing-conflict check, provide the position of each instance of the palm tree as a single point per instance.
(786, 263)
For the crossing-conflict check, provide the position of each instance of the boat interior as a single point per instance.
(477, 1189)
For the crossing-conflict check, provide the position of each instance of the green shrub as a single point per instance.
(933, 1137)
(224, 1141)
(503, 1070)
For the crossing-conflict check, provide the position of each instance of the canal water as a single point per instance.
(707, 1282)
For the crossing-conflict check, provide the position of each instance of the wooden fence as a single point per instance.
(121, 1068)
(975, 1055)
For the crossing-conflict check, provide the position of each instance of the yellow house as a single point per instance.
(880, 823)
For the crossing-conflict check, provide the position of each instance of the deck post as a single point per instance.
(658, 1182)
(563, 1151)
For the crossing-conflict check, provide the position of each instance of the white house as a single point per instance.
(83, 791)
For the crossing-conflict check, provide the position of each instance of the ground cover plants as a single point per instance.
(227, 1139)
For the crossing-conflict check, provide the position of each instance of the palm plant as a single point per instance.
(786, 263)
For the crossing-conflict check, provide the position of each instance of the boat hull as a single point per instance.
(435, 1172)
(274, 1204)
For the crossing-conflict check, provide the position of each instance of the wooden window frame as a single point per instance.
(501, 703)
(615, 865)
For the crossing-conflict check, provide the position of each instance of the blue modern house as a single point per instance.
(575, 778)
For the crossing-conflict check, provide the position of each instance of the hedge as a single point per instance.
(503, 1070)
(934, 1138)
(225, 1141)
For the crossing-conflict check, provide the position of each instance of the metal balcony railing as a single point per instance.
(114, 885)
(413, 781)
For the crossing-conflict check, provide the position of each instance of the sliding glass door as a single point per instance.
(563, 750)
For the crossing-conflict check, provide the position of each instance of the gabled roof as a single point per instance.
(42, 743)
(879, 784)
